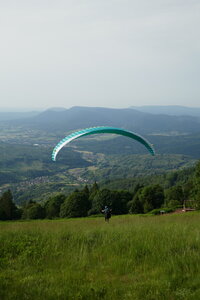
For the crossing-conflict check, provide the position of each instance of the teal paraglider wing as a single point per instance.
(101, 129)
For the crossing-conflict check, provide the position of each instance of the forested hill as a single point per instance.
(81, 117)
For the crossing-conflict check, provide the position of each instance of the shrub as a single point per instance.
(159, 211)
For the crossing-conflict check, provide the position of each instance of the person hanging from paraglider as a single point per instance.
(107, 213)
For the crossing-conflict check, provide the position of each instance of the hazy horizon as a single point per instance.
(40, 109)
(116, 53)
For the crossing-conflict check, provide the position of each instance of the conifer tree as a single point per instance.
(8, 209)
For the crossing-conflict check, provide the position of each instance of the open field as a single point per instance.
(133, 257)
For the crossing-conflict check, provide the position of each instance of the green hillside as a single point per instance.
(133, 257)
(26, 166)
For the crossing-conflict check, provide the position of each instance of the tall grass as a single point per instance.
(133, 257)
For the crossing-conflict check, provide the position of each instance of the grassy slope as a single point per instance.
(133, 257)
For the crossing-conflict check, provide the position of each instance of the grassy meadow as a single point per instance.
(132, 257)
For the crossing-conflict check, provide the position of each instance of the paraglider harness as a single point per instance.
(107, 213)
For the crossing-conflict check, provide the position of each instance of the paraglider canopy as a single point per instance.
(101, 129)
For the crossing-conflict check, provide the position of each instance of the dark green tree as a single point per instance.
(103, 197)
(94, 188)
(76, 205)
(53, 204)
(147, 199)
(86, 191)
(171, 179)
(8, 210)
(119, 202)
(174, 195)
(135, 206)
(196, 187)
(33, 210)
(152, 197)
(93, 191)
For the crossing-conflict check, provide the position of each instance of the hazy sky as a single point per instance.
(113, 53)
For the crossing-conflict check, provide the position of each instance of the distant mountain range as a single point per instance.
(172, 110)
(145, 119)
(65, 120)
(6, 116)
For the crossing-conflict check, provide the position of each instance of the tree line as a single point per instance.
(91, 200)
